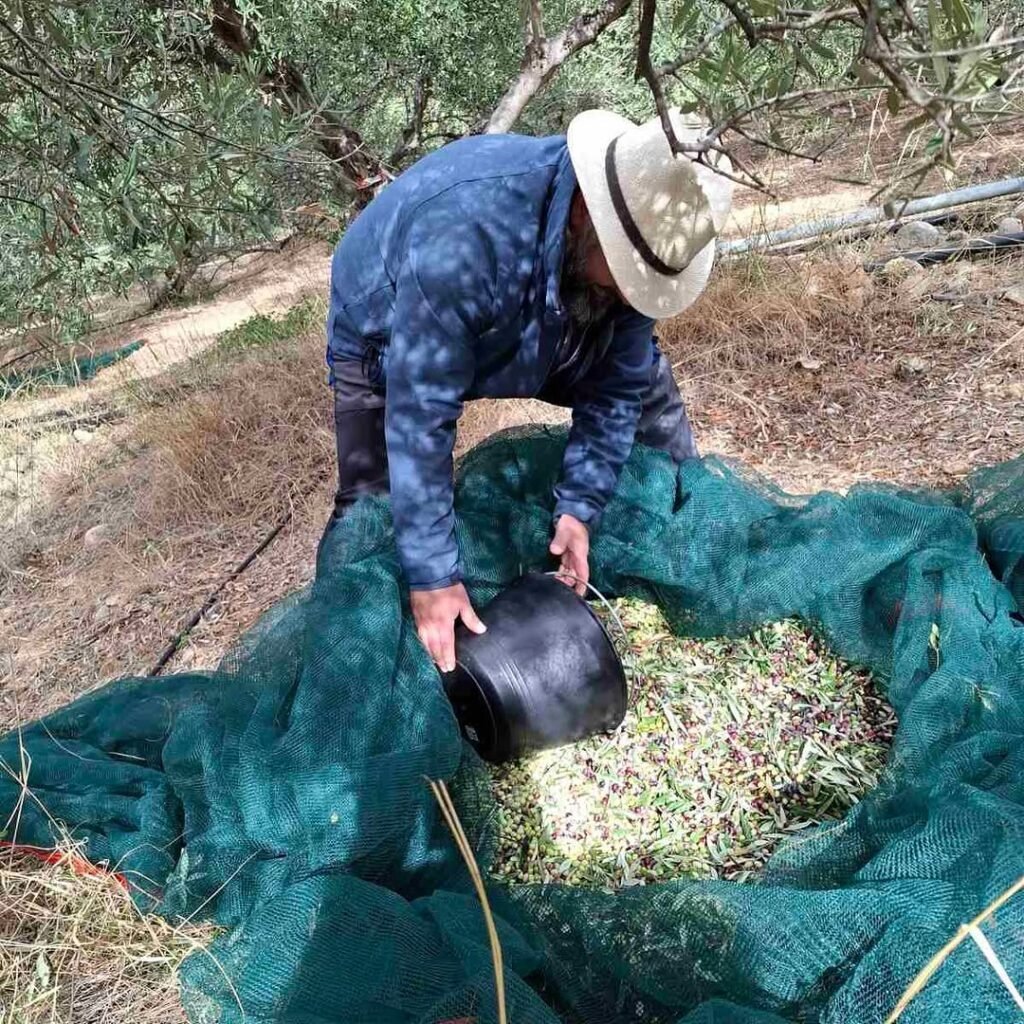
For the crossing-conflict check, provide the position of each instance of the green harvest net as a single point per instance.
(69, 374)
(284, 794)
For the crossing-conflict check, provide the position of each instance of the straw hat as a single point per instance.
(656, 215)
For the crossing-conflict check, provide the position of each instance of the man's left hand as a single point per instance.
(572, 546)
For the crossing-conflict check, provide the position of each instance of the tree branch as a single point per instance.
(342, 145)
(542, 59)
(758, 31)
(645, 69)
(412, 133)
(8, 197)
(533, 23)
(878, 49)
(698, 51)
(743, 19)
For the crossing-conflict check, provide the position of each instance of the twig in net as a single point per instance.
(926, 972)
(444, 799)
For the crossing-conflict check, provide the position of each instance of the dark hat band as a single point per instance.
(650, 257)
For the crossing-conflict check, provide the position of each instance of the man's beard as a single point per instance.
(585, 302)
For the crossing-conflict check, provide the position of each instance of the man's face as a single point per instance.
(593, 265)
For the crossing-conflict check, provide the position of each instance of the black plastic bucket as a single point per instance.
(544, 674)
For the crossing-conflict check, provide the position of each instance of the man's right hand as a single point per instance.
(436, 612)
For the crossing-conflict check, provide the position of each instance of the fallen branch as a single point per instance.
(451, 817)
(965, 930)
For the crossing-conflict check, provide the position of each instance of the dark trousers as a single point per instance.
(359, 427)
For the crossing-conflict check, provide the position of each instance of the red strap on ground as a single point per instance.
(79, 865)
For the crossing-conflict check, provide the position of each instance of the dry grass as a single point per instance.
(226, 440)
(184, 490)
(74, 948)
(245, 446)
(819, 375)
(759, 311)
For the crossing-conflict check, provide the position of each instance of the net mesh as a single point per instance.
(67, 374)
(283, 795)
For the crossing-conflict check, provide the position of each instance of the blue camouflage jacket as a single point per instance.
(452, 274)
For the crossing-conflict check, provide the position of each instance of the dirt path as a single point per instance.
(265, 283)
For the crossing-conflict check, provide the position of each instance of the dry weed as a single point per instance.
(245, 447)
(758, 311)
(132, 534)
(74, 948)
(233, 441)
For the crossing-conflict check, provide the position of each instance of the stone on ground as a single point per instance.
(95, 536)
(918, 234)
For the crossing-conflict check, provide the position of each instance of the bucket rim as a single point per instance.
(499, 745)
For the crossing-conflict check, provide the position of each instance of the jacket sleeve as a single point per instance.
(605, 415)
(443, 301)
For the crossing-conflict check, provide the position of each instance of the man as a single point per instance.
(507, 266)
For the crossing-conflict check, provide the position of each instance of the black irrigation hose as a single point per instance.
(172, 648)
(174, 644)
(970, 249)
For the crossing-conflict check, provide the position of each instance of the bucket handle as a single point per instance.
(604, 600)
(629, 662)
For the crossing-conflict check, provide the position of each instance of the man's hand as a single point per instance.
(572, 546)
(436, 612)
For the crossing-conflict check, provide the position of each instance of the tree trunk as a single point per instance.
(543, 57)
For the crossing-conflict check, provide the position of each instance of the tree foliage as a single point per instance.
(141, 136)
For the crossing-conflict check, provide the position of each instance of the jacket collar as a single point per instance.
(563, 188)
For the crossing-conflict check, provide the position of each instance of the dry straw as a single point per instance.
(926, 972)
(74, 946)
(444, 799)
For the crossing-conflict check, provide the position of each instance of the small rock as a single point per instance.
(1015, 294)
(900, 269)
(1010, 226)
(95, 536)
(1018, 212)
(82, 436)
(918, 234)
(809, 363)
(101, 613)
(910, 366)
(957, 235)
(958, 286)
